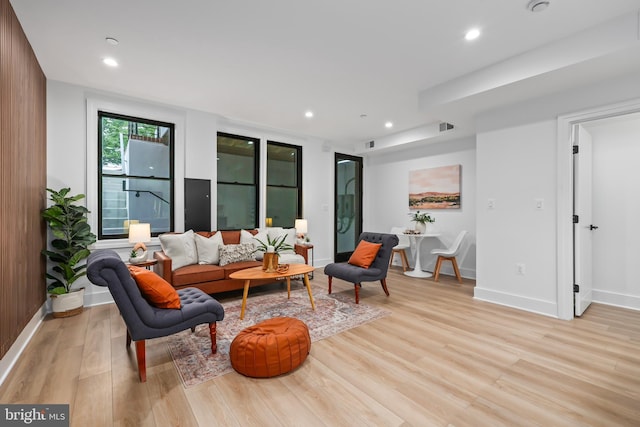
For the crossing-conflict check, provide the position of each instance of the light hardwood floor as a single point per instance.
(441, 359)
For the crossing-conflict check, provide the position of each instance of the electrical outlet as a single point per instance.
(521, 268)
(491, 203)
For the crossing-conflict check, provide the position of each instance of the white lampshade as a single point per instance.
(139, 233)
(301, 226)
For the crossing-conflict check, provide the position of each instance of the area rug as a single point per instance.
(335, 313)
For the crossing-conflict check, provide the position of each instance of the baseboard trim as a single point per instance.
(546, 308)
(616, 299)
(11, 357)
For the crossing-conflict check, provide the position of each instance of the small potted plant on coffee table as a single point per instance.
(272, 249)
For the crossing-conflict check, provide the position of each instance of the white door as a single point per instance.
(584, 228)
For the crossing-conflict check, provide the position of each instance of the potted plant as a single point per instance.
(71, 238)
(421, 220)
(272, 249)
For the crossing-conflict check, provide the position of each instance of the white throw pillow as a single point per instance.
(208, 248)
(181, 248)
(277, 232)
(247, 237)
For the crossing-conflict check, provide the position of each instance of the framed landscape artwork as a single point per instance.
(435, 188)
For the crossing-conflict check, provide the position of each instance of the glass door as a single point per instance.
(348, 205)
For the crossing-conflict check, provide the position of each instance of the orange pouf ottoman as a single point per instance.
(273, 347)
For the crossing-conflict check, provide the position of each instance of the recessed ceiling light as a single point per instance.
(308, 114)
(112, 41)
(472, 34)
(537, 5)
(388, 125)
(110, 62)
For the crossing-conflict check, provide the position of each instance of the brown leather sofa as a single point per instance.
(212, 278)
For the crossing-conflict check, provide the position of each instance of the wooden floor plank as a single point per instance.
(441, 358)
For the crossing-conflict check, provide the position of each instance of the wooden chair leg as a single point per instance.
(455, 268)
(142, 362)
(128, 339)
(212, 333)
(384, 286)
(392, 255)
(330, 278)
(193, 329)
(357, 286)
(436, 273)
(405, 261)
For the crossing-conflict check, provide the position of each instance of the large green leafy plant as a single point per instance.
(71, 238)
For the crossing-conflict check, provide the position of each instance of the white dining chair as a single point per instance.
(401, 247)
(449, 254)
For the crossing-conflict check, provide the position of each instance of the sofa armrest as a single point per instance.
(163, 267)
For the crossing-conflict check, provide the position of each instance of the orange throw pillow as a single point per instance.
(364, 254)
(154, 288)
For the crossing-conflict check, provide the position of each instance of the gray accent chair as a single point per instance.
(143, 320)
(376, 271)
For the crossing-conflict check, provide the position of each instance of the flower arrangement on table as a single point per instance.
(422, 218)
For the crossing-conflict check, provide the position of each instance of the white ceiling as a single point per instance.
(267, 62)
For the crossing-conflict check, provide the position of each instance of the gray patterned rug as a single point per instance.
(335, 313)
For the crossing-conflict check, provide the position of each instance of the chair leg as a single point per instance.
(405, 261)
(330, 279)
(128, 339)
(357, 286)
(436, 273)
(212, 333)
(142, 362)
(384, 286)
(193, 329)
(391, 259)
(455, 268)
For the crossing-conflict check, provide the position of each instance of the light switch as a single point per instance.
(491, 203)
(539, 204)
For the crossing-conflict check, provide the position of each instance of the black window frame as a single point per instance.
(171, 179)
(298, 150)
(256, 174)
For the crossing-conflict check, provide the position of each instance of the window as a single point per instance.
(135, 174)
(284, 183)
(237, 192)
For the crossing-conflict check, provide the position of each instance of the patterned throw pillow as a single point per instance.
(236, 253)
(246, 237)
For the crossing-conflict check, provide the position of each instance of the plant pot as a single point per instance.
(65, 305)
(421, 227)
(270, 262)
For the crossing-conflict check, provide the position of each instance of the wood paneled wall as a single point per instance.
(23, 179)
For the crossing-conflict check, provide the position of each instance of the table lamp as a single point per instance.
(139, 234)
(301, 229)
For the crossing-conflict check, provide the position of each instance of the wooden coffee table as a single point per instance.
(256, 273)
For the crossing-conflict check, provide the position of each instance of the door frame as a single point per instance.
(564, 222)
(358, 219)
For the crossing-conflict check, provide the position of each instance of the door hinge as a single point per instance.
(576, 288)
(575, 149)
(576, 219)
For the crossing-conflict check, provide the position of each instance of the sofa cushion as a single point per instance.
(277, 232)
(181, 248)
(290, 259)
(236, 266)
(364, 254)
(208, 248)
(248, 237)
(154, 288)
(230, 254)
(194, 274)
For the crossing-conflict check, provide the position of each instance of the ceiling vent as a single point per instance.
(444, 126)
(537, 5)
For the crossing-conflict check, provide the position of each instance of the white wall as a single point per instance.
(386, 197)
(71, 138)
(517, 162)
(616, 150)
